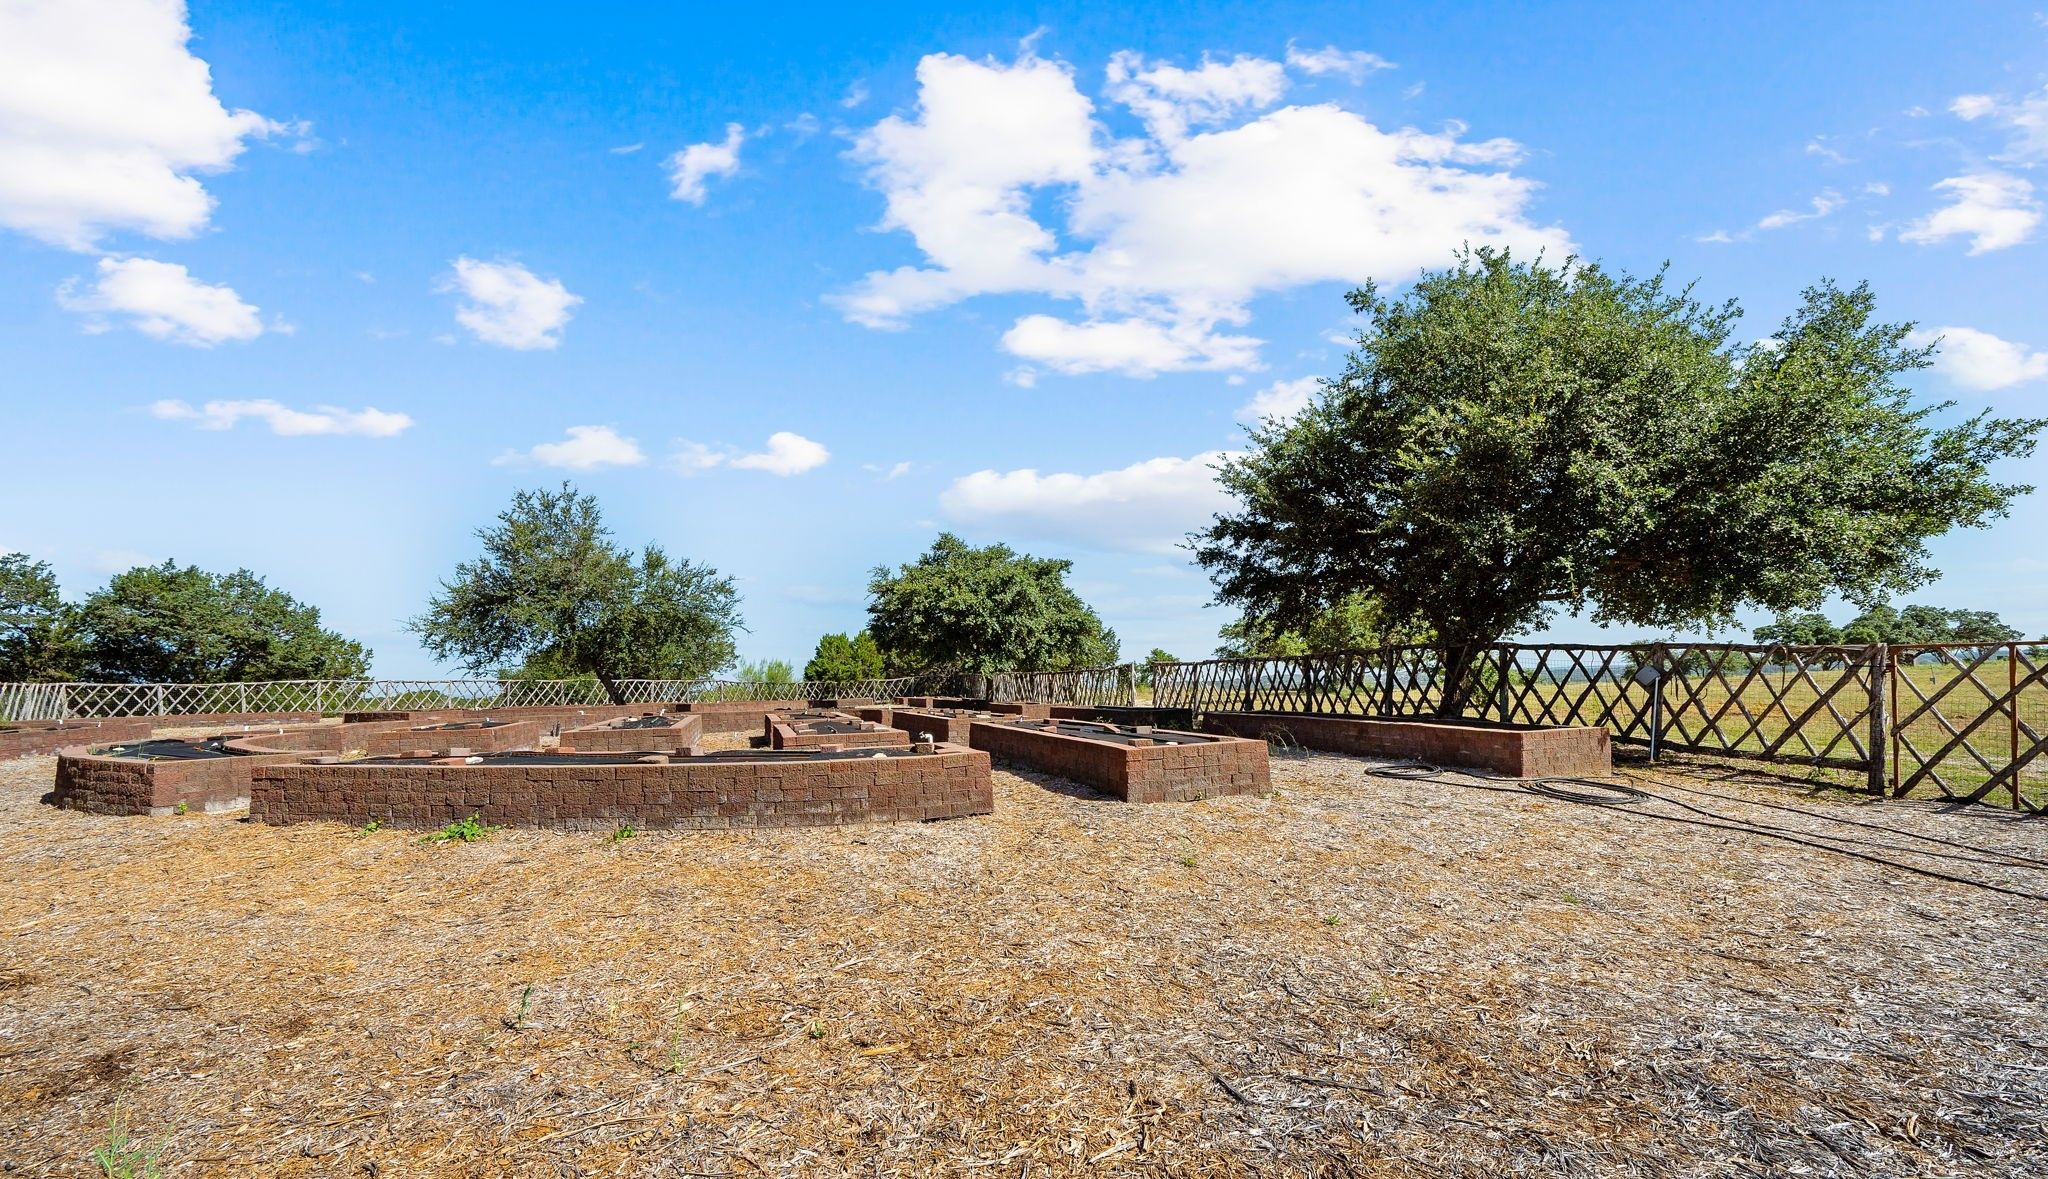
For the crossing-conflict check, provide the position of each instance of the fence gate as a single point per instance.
(1968, 723)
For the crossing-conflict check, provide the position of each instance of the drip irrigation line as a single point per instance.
(2019, 860)
(1608, 795)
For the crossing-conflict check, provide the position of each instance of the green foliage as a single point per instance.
(123, 1156)
(554, 592)
(981, 610)
(518, 1021)
(36, 640)
(371, 827)
(1885, 623)
(1157, 655)
(624, 832)
(1511, 440)
(1353, 624)
(467, 830)
(180, 624)
(841, 660)
(1800, 628)
(772, 672)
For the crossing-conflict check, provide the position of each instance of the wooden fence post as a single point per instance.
(1880, 718)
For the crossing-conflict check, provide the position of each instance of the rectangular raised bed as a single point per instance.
(88, 779)
(1135, 764)
(35, 738)
(1515, 751)
(475, 736)
(814, 730)
(709, 791)
(635, 734)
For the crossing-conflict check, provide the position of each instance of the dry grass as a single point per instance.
(1361, 976)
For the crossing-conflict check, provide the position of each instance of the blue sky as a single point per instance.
(791, 289)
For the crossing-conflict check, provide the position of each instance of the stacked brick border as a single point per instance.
(686, 794)
(785, 732)
(1207, 767)
(683, 734)
(39, 738)
(500, 737)
(736, 716)
(130, 786)
(1514, 751)
(952, 725)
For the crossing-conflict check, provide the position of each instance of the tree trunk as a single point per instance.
(611, 689)
(1459, 660)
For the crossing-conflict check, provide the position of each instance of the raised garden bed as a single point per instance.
(740, 788)
(35, 738)
(1514, 751)
(647, 733)
(819, 730)
(157, 777)
(1134, 763)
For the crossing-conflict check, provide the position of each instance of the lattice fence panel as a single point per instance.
(31, 702)
(1088, 687)
(1968, 723)
(1395, 681)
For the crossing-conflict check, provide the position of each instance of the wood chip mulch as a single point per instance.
(1360, 975)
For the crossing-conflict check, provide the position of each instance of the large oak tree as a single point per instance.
(552, 590)
(1512, 440)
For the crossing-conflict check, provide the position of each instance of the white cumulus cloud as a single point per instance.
(2025, 122)
(506, 304)
(1281, 399)
(690, 169)
(1145, 507)
(1981, 361)
(163, 301)
(785, 454)
(1994, 210)
(1354, 64)
(1007, 183)
(586, 448)
(370, 422)
(107, 121)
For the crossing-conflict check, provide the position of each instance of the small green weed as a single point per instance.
(816, 1030)
(122, 1156)
(1333, 920)
(518, 1021)
(625, 831)
(462, 831)
(182, 809)
(372, 827)
(1187, 861)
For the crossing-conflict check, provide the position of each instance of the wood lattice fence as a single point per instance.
(1964, 722)
(1967, 722)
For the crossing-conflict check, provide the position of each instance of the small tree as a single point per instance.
(1802, 628)
(36, 643)
(1512, 440)
(774, 672)
(1157, 655)
(840, 660)
(983, 610)
(180, 624)
(553, 590)
(1356, 623)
